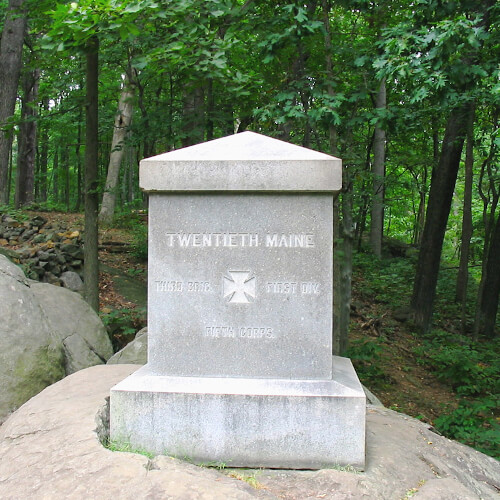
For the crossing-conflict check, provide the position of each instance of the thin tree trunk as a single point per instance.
(490, 202)
(122, 123)
(11, 49)
(378, 170)
(438, 210)
(488, 301)
(65, 166)
(55, 176)
(209, 122)
(193, 115)
(78, 163)
(463, 269)
(419, 223)
(26, 152)
(91, 260)
(341, 288)
(44, 156)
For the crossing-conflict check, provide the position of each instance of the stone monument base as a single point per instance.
(271, 423)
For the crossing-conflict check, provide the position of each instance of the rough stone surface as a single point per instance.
(135, 352)
(75, 325)
(242, 162)
(72, 280)
(46, 250)
(46, 332)
(244, 422)
(49, 449)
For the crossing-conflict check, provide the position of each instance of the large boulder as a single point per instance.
(46, 333)
(51, 448)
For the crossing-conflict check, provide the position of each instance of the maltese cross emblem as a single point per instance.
(239, 288)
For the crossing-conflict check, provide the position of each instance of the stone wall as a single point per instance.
(46, 251)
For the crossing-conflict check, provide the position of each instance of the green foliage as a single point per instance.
(127, 448)
(140, 242)
(472, 369)
(123, 324)
(384, 280)
(475, 423)
(365, 355)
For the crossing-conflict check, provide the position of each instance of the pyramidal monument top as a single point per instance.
(242, 162)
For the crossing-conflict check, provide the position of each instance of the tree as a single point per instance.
(488, 300)
(438, 209)
(429, 49)
(121, 126)
(90, 249)
(378, 170)
(463, 270)
(11, 48)
(27, 140)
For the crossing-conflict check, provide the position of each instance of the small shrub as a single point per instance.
(122, 325)
(365, 355)
(140, 242)
(474, 423)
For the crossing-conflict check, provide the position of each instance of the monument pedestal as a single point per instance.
(274, 423)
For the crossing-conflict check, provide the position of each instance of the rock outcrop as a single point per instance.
(135, 352)
(50, 449)
(46, 333)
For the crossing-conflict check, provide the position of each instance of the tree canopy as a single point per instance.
(399, 91)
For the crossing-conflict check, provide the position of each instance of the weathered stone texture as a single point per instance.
(46, 333)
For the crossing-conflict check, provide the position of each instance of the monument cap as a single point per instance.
(242, 162)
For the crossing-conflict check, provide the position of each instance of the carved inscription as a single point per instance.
(292, 287)
(247, 332)
(240, 240)
(182, 286)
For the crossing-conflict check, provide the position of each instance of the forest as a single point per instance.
(406, 93)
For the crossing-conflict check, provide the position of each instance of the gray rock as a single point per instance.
(46, 332)
(136, 352)
(73, 250)
(11, 254)
(371, 398)
(84, 337)
(72, 281)
(50, 449)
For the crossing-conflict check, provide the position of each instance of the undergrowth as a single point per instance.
(469, 368)
(473, 371)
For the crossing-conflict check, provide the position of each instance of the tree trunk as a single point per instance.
(378, 170)
(44, 156)
(193, 116)
(438, 209)
(490, 200)
(11, 49)
(78, 163)
(26, 152)
(55, 176)
(91, 260)
(66, 178)
(342, 258)
(488, 301)
(463, 269)
(122, 123)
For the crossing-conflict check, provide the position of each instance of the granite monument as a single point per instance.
(240, 297)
